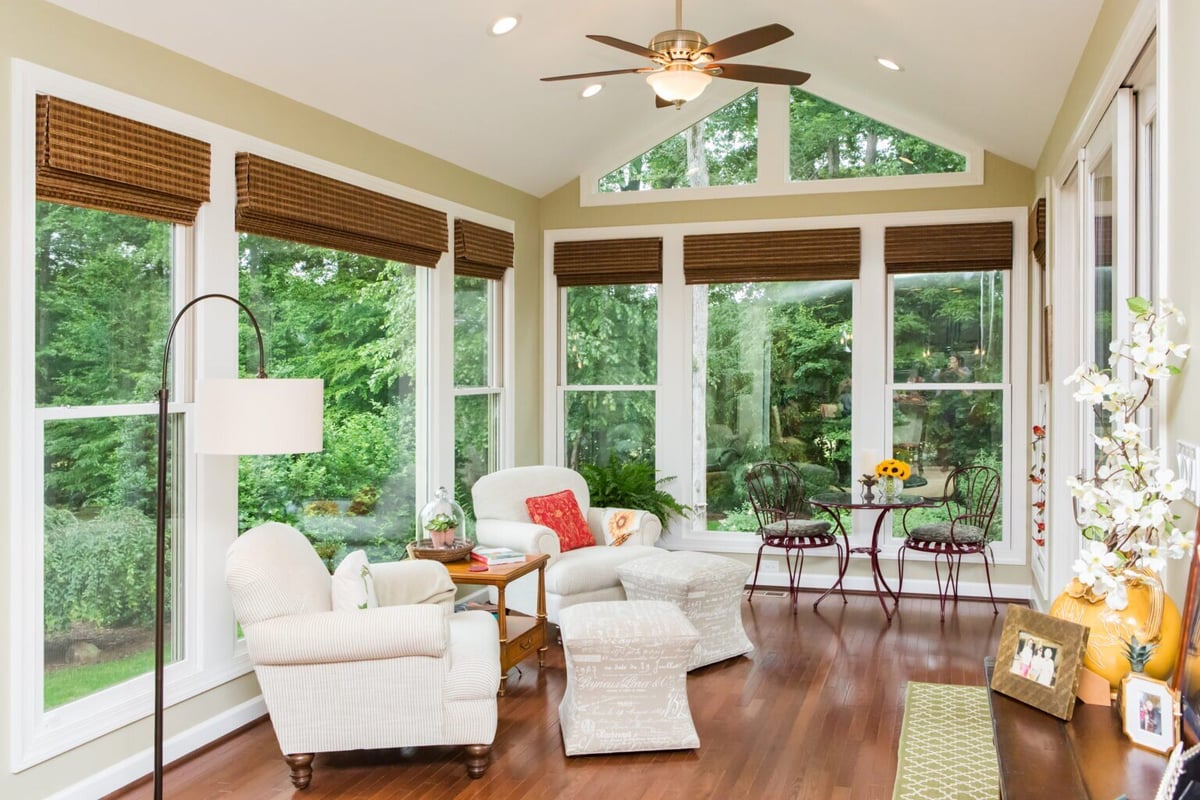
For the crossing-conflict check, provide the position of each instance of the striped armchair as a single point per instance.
(407, 674)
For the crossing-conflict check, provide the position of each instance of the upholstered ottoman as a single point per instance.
(626, 678)
(707, 588)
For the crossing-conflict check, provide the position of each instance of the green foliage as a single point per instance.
(98, 570)
(631, 484)
(1138, 653)
(719, 150)
(831, 141)
(441, 522)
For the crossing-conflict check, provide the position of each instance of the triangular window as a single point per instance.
(719, 150)
(831, 141)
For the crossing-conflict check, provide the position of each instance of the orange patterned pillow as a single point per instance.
(560, 513)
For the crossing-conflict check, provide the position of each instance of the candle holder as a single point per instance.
(868, 482)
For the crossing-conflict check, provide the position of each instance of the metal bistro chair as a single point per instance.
(777, 495)
(970, 500)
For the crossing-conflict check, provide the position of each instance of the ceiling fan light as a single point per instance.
(678, 84)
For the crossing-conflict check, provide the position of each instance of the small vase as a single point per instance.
(890, 487)
(1150, 615)
(442, 538)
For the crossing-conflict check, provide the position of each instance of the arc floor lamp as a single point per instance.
(252, 416)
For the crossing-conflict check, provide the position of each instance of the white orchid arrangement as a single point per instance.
(1125, 509)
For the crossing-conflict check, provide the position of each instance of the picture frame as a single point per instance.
(1187, 666)
(1039, 660)
(1148, 712)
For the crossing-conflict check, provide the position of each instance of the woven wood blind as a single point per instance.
(286, 202)
(1037, 230)
(824, 254)
(608, 261)
(91, 158)
(949, 248)
(480, 251)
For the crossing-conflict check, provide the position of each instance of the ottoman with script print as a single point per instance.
(626, 678)
(707, 588)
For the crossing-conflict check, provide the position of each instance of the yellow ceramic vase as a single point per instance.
(1150, 615)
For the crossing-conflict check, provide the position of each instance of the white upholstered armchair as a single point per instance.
(582, 575)
(408, 673)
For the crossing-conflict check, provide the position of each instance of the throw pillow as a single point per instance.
(560, 513)
(353, 586)
(620, 524)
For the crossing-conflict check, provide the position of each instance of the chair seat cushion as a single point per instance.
(589, 569)
(560, 513)
(940, 532)
(796, 527)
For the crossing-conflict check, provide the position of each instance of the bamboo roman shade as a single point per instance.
(949, 248)
(1037, 230)
(287, 202)
(480, 251)
(91, 158)
(608, 261)
(824, 254)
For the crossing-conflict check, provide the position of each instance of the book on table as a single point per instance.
(493, 556)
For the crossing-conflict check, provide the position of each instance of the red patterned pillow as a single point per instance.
(560, 513)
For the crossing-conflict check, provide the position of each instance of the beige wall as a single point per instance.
(1005, 184)
(46, 35)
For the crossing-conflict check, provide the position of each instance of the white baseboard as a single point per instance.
(864, 583)
(141, 764)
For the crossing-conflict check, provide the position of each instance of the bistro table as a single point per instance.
(835, 502)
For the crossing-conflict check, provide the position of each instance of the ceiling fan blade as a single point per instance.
(753, 74)
(745, 42)
(621, 44)
(598, 74)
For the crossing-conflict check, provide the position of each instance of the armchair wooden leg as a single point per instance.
(478, 758)
(301, 766)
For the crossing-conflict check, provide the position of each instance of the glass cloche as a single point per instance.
(442, 520)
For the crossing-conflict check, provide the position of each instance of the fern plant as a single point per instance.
(631, 484)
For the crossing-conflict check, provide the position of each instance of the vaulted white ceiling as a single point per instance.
(429, 74)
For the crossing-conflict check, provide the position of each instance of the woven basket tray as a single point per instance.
(423, 548)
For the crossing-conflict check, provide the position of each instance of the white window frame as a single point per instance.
(499, 358)
(774, 166)
(679, 441)
(207, 346)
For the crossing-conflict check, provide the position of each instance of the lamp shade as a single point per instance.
(259, 416)
(678, 84)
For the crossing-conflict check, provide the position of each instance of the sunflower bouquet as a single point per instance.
(892, 473)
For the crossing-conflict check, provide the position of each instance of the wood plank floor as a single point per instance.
(815, 712)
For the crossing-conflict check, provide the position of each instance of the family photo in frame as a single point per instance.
(1039, 660)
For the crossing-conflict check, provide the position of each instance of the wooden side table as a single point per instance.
(519, 635)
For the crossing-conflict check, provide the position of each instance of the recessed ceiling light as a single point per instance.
(504, 25)
(592, 90)
(889, 64)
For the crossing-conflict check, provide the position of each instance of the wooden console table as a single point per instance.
(519, 635)
(1088, 758)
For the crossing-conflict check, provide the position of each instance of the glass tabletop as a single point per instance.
(854, 500)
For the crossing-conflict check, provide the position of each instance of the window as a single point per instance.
(719, 150)
(773, 361)
(831, 141)
(478, 389)
(611, 372)
(948, 386)
(350, 319)
(104, 299)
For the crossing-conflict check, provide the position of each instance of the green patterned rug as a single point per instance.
(946, 750)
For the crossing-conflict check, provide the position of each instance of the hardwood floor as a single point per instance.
(814, 713)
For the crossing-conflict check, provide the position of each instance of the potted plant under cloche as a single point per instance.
(441, 518)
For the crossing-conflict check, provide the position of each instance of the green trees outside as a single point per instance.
(351, 320)
(826, 140)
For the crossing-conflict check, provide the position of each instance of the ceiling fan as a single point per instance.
(685, 63)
